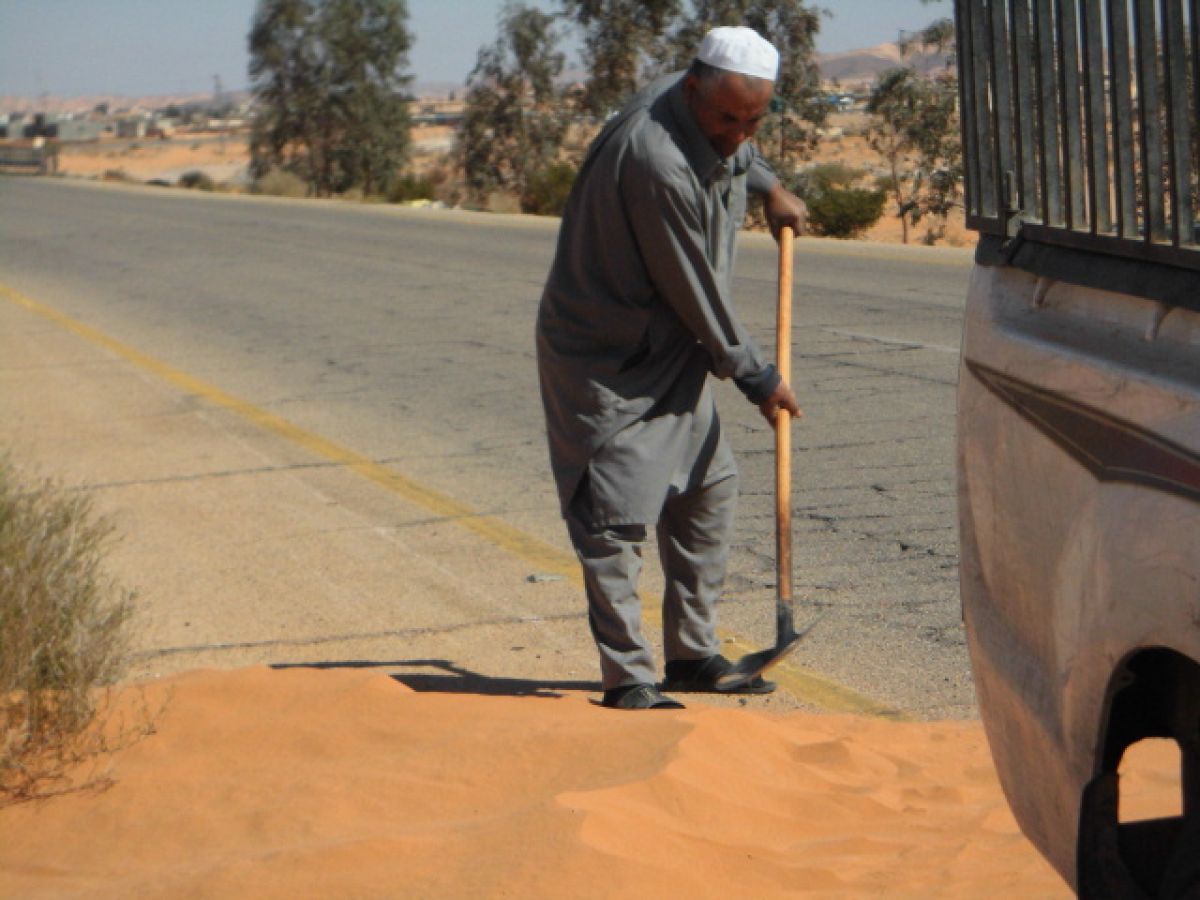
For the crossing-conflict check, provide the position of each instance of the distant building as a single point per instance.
(840, 101)
(29, 156)
(225, 124)
(52, 127)
(74, 130)
(438, 112)
(132, 127)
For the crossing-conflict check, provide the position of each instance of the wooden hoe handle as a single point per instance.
(783, 425)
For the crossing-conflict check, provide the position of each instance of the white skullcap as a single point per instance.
(736, 48)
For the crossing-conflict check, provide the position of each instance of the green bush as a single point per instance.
(845, 212)
(547, 191)
(63, 633)
(837, 207)
(196, 180)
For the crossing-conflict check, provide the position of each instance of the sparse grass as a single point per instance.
(63, 637)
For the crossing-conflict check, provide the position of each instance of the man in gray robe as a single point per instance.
(636, 312)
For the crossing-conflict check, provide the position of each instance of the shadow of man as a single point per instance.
(449, 678)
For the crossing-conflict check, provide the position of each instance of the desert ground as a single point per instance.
(299, 783)
(224, 158)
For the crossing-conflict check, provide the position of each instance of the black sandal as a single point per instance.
(638, 696)
(701, 676)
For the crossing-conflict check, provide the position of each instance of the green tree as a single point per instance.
(514, 121)
(619, 36)
(330, 82)
(915, 129)
(283, 73)
(938, 36)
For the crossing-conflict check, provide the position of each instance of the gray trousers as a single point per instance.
(693, 540)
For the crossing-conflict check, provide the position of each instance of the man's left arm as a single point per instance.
(780, 205)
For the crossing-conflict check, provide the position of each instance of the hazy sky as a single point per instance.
(138, 47)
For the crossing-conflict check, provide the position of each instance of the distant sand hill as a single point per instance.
(855, 68)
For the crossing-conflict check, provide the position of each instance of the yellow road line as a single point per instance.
(814, 688)
(806, 686)
(537, 553)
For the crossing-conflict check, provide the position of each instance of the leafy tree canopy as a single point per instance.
(514, 121)
(619, 38)
(330, 79)
(915, 129)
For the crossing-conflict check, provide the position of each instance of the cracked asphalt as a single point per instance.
(874, 530)
(397, 344)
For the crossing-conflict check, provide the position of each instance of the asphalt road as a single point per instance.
(406, 335)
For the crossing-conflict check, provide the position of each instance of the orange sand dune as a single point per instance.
(305, 783)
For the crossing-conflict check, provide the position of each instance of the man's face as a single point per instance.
(728, 108)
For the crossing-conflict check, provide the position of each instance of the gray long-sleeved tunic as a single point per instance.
(637, 308)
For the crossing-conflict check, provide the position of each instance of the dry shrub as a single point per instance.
(63, 630)
(446, 180)
(197, 180)
(280, 183)
(412, 187)
(502, 202)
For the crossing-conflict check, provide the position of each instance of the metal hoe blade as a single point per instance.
(750, 666)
